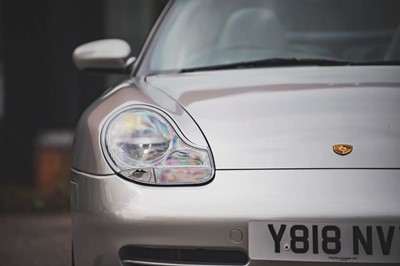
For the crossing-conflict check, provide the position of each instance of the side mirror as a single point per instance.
(109, 55)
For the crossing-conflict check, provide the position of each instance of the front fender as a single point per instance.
(87, 154)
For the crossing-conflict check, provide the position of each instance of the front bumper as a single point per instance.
(110, 213)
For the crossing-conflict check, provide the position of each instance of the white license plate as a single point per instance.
(324, 242)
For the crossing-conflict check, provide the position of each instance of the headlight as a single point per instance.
(143, 145)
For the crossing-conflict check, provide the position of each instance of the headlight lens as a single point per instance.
(142, 145)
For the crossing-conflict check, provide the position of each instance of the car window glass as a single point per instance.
(213, 32)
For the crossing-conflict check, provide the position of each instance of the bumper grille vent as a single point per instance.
(131, 255)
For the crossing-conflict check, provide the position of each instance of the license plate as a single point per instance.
(324, 242)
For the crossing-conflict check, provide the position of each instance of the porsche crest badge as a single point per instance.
(342, 149)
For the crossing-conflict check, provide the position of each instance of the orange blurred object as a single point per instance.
(52, 160)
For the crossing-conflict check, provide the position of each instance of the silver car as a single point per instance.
(249, 132)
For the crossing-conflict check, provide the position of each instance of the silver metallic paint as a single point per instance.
(290, 117)
(103, 54)
(109, 212)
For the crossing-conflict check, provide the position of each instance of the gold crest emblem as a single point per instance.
(342, 149)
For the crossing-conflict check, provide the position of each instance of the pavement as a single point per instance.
(35, 239)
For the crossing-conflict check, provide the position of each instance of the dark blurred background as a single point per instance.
(41, 98)
(41, 92)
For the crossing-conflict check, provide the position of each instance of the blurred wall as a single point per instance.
(42, 89)
(1, 69)
(131, 20)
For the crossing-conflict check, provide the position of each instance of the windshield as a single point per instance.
(206, 33)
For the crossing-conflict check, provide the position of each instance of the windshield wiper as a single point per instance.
(272, 62)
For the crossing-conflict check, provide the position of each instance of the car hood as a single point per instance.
(290, 118)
